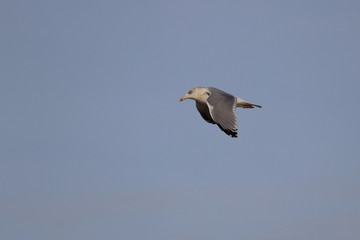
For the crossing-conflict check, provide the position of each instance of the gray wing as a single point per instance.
(222, 108)
(204, 112)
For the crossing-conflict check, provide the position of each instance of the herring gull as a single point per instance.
(218, 107)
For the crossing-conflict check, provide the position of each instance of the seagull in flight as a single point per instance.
(218, 107)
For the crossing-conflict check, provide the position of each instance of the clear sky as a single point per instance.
(95, 145)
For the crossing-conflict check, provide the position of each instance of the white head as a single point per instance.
(199, 94)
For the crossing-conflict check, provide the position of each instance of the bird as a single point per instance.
(218, 107)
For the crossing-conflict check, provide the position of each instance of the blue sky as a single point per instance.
(95, 145)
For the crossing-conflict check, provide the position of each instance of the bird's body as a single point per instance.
(218, 107)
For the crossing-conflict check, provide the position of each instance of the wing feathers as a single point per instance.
(222, 108)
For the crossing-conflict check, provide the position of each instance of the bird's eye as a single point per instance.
(190, 92)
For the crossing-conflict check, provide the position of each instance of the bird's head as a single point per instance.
(198, 94)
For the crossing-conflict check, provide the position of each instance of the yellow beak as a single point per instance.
(182, 99)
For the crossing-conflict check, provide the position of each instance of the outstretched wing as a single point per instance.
(222, 108)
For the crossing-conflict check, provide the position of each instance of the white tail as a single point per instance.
(244, 104)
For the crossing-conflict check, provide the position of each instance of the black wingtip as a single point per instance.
(229, 132)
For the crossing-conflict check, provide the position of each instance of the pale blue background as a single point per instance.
(95, 145)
